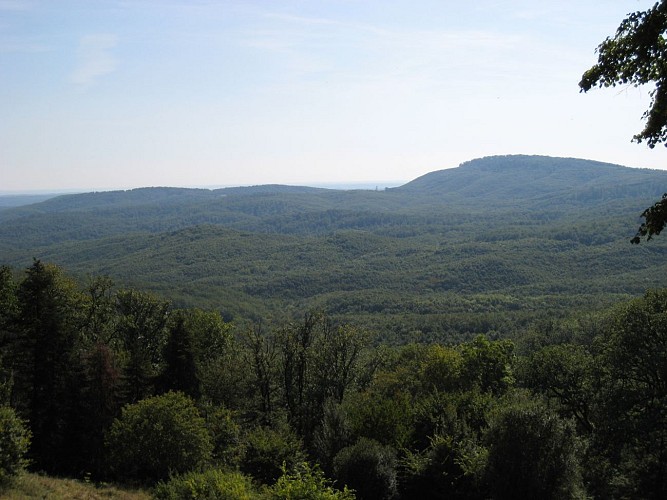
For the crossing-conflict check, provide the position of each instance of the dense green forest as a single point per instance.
(481, 332)
(118, 385)
(494, 243)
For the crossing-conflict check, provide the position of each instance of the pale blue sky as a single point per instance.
(118, 94)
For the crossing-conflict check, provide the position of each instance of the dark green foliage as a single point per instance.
(655, 218)
(97, 403)
(8, 316)
(462, 415)
(99, 311)
(318, 362)
(8, 303)
(225, 434)
(261, 357)
(565, 373)
(416, 420)
(180, 371)
(386, 419)
(44, 360)
(632, 395)
(267, 449)
(14, 442)
(533, 453)
(158, 436)
(368, 468)
(212, 484)
(448, 468)
(332, 435)
(142, 333)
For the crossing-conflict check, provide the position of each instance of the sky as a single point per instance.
(117, 94)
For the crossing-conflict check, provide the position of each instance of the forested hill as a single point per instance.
(519, 179)
(466, 250)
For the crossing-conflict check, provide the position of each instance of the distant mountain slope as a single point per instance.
(520, 178)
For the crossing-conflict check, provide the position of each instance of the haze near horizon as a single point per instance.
(118, 94)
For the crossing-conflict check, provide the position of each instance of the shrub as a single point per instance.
(307, 483)
(266, 449)
(213, 484)
(158, 436)
(14, 442)
(369, 468)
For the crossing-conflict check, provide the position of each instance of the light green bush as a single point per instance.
(306, 483)
(213, 484)
(14, 442)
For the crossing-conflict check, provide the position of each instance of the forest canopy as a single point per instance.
(117, 384)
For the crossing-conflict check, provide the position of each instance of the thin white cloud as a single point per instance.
(95, 58)
(372, 53)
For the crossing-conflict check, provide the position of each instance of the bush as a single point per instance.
(307, 483)
(213, 484)
(158, 436)
(449, 468)
(266, 449)
(369, 468)
(14, 442)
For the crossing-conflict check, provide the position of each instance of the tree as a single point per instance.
(318, 362)
(488, 364)
(533, 453)
(45, 362)
(633, 396)
(563, 372)
(637, 55)
(180, 372)
(157, 437)
(96, 406)
(142, 333)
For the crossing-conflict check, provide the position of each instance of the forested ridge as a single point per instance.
(505, 237)
(480, 332)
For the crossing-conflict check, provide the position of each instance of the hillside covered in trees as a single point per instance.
(495, 243)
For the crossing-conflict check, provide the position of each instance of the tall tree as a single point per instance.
(632, 426)
(637, 55)
(45, 359)
(142, 333)
(180, 371)
(8, 315)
